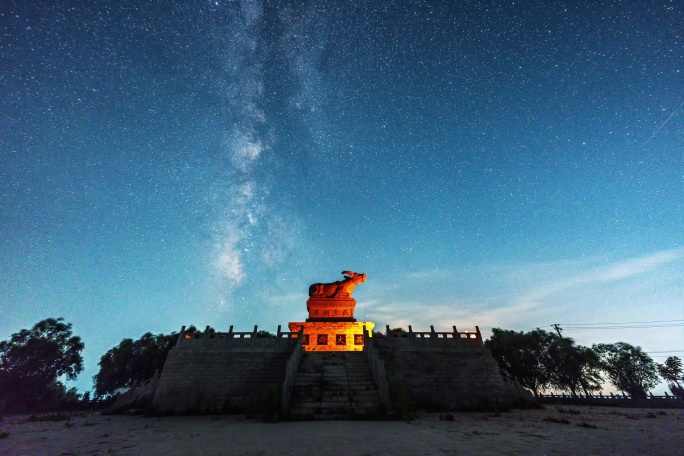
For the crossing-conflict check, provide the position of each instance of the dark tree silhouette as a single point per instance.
(671, 370)
(628, 368)
(522, 356)
(572, 367)
(397, 330)
(33, 361)
(132, 361)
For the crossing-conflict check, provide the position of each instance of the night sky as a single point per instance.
(502, 164)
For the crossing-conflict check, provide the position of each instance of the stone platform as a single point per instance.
(332, 335)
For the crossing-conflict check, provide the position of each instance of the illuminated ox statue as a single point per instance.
(337, 289)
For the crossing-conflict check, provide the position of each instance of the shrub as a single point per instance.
(268, 405)
(551, 419)
(49, 417)
(570, 411)
(584, 424)
(399, 396)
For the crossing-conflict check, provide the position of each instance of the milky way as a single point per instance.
(498, 164)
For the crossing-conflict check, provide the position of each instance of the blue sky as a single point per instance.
(503, 165)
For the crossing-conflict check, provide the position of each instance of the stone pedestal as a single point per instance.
(331, 325)
(332, 335)
(331, 309)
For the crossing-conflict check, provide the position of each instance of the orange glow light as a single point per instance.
(332, 336)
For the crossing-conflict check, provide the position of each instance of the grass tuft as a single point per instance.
(49, 417)
(570, 411)
(551, 419)
(584, 424)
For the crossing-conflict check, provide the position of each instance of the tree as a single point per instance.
(522, 356)
(571, 367)
(132, 361)
(398, 330)
(33, 361)
(628, 368)
(671, 370)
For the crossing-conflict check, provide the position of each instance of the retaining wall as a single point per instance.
(220, 374)
(444, 373)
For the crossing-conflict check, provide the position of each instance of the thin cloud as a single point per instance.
(615, 272)
(531, 293)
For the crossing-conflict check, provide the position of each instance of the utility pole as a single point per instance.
(558, 329)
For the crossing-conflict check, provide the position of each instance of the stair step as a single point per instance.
(333, 386)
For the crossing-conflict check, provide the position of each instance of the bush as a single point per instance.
(570, 411)
(49, 417)
(398, 393)
(584, 424)
(268, 405)
(551, 419)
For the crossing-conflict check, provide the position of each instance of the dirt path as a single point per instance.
(594, 430)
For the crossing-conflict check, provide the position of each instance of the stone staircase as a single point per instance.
(333, 386)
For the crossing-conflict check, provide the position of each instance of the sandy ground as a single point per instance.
(594, 430)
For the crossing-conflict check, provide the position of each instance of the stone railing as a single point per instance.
(291, 373)
(469, 338)
(377, 367)
(195, 337)
(616, 400)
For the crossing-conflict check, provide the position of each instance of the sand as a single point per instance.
(594, 430)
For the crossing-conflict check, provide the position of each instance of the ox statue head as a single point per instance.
(354, 276)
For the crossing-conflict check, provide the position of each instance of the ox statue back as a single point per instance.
(340, 289)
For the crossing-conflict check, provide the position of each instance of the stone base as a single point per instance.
(332, 335)
(332, 308)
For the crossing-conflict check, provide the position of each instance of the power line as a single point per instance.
(620, 323)
(614, 325)
(626, 327)
(537, 327)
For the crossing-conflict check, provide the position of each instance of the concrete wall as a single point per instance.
(203, 375)
(443, 373)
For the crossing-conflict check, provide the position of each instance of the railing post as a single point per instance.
(205, 336)
(181, 335)
(279, 333)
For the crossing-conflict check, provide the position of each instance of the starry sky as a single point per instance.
(502, 164)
